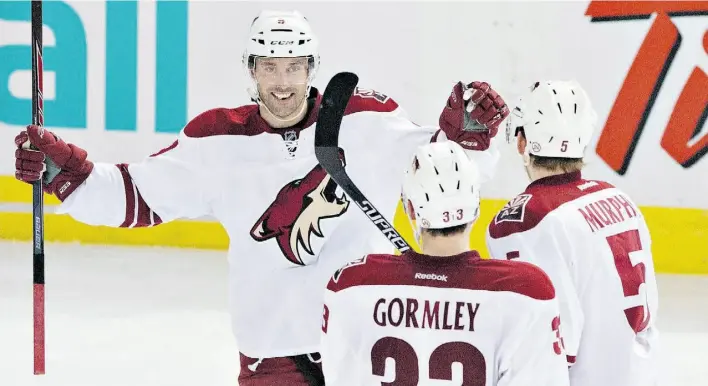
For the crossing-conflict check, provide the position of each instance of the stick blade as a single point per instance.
(334, 102)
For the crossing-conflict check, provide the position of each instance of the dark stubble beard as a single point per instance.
(277, 107)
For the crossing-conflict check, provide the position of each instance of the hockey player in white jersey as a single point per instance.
(254, 169)
(589, 237)
(443, 316)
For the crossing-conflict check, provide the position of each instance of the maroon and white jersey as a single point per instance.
(592, 241)
(289, 225)
(423, 320)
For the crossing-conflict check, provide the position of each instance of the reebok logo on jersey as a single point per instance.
(430, 276)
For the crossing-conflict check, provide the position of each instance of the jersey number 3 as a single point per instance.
(439, 364)
(631, 275)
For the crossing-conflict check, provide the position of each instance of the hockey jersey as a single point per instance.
(459, 320)
(593, 242)
(289, 225)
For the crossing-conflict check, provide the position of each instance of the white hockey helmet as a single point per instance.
(557, 119)
(280, 34)
(441, 187)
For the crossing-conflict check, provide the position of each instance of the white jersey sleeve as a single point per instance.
(539, 356)
(334, 348)
(164, 186)
(332, 339)
(402, 129)
(548, 248)
(390, 124)
(486, 160)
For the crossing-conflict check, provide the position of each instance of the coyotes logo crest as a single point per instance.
(295, 214)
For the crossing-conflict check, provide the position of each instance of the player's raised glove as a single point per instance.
(63, 167)
(473, 114)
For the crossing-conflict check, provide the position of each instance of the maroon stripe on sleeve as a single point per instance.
(137, 211)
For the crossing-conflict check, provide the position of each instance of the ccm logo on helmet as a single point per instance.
(282, 42)
(430, 276)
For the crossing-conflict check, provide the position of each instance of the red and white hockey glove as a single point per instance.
(63, 167)
(473, 114)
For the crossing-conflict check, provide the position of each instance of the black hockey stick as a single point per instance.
(37, 194)
(334, 102)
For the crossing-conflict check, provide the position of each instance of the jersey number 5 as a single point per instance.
(631, 275)
(439, 364)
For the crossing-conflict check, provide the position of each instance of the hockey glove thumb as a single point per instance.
(41, 154)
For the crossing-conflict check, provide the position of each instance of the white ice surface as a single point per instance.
(121, 316)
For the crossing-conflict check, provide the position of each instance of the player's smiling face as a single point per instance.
(282, 83)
